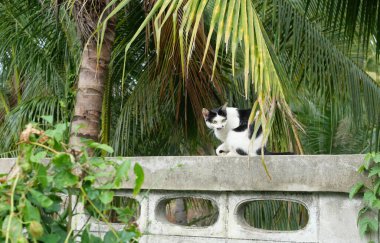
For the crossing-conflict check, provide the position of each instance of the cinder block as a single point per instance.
(338, 215)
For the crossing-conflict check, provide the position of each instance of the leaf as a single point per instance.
(92, 193)
(89, 178)
(106, 196)
(368, 157)
(42, 176)
(50, 238)
(376, 204)
(98, 162)
(56, 206)
(363, 227)
(125, 214)
(122, 172)
(49, 119)
(139, 172)
(355, 189)
(126, 236)
(40, 199)
(65, 179)
(376, 187)
(369, 197)
(36, 158)
(101, 146)
(110, 237)
(361, 212)
(361, 169)
(58, 132)
(61, 128)
(4, 208)
(123, 236)
(367, 224)
(367, 161)
(62, 161)
(30, 212)
(374, 171)
(87, 237)
(15, 228)
(377, 158)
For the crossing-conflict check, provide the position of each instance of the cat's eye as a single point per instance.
(224, 120)
(214, 122)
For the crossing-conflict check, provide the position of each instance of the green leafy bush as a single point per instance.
(40, 196)
(368, 216)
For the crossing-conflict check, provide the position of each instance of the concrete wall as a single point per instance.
(320, 183)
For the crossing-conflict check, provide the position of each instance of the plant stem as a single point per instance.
(70, 213)
(68, 236)
(12, 208)
(100, 213)
(44, 146)
(84, 225)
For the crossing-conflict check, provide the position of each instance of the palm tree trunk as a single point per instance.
(92, 77)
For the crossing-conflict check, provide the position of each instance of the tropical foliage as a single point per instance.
(300, 64)
(309, 67)
(368, 215)
(304, 67)
(42, 196)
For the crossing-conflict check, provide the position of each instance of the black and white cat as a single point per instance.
(230, 126)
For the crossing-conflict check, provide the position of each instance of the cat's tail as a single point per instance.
(281, 153)
(266, 152)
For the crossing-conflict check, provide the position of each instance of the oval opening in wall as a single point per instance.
(128, 210)
(276, 215)
(188, 211)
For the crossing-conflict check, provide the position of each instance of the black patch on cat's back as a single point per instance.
(243, 117)
(240, 128)
(241, 152)
(252, 128)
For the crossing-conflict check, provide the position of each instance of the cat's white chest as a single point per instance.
(221, 134)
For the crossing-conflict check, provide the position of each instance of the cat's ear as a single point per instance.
(224, 107)
(205, 113)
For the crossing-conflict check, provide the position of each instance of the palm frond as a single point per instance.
(39, 59)
(161, 101)
(355, 20)
(250, 36)
(313, 62)
(28, 111)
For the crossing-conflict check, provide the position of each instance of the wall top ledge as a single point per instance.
(291, 173)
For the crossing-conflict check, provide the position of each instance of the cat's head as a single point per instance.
(215, 118)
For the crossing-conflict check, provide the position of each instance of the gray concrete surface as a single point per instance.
(306, 173)
(320, 183)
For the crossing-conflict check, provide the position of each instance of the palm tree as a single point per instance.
(153, 92)
(311, 62)
(44, 68)
(93, 69)
(276, 49)
(39, 57)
